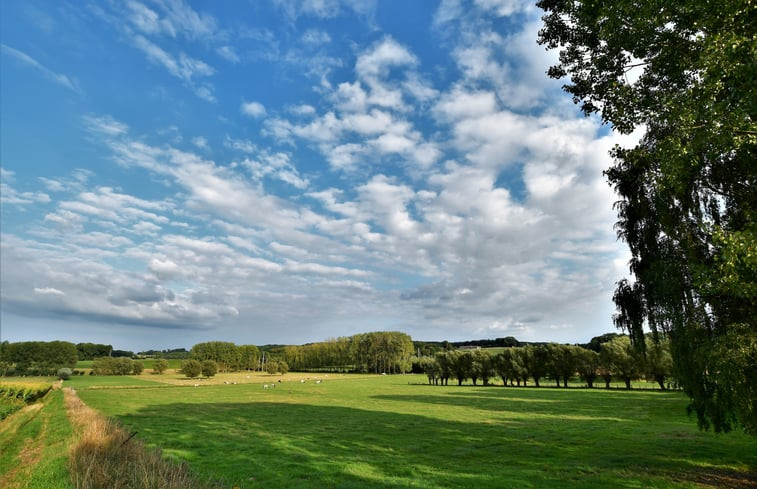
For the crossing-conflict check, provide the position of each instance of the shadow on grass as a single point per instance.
(269, 444)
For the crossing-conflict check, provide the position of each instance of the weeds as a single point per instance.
(106, 455)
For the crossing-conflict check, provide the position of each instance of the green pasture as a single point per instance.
(394, 431)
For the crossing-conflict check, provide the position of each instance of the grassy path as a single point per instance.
(34, 446)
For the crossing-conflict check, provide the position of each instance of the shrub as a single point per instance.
(160, 366)
(191, 368)
(209, 368)
(64, 373)
(137, 368)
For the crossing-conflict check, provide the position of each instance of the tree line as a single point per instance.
(376, 352)
(617, 358)
(612, 355)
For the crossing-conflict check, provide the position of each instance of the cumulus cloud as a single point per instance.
(252, 109)
(450, 205)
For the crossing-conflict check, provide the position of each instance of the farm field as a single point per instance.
(395, 431)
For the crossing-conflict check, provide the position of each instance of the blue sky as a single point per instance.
(292, 171)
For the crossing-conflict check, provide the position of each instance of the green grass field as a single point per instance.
(394, 431)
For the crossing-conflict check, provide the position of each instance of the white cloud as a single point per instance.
(200, 142)
(58, 78)
(184, 67)
(253, 109)
(228, 53)
(47, 291)
(9, 195)
(316, 37)
(385, 55)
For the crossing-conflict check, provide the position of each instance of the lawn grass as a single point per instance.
(393, 431)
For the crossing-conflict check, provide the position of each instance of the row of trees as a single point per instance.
(116, 366)
(228, 356)
(37, 357)
(617, 358)
(377, 352)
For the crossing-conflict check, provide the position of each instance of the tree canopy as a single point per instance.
(684, 73)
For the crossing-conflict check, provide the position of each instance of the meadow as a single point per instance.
(396, 431)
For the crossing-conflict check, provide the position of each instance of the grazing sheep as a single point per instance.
(265, 386)
(317, 381)
(197, 385)
(302, 381)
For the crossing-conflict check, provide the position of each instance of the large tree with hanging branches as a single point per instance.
(684, 72)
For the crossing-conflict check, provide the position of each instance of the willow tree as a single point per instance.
(684, 73)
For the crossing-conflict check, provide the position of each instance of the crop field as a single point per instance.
(395, 431)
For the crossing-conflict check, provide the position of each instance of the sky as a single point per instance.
(292, 171)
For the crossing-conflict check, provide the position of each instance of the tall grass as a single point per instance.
(105, 455)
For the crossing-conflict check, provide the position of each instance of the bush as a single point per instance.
(209, 368)
(137, 368)
(64, 373)
(191, 368)
(160, 366)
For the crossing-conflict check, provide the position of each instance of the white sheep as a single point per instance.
(302, 381)
(317, 381)
(265, 386)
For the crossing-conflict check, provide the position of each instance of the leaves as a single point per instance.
(684, 72)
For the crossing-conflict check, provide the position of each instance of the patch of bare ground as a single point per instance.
(720, 479)
(106, 455)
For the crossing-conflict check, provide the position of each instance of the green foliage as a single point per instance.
(226, 354)
(562, 363)
(137, 368)
(587, 365)
(249, 355)
(482, 366)
(116, 366)
(40, 357)
(90, 351)
(659, 362)
(622, 359)
(64, 373)
(536, 361)
(209, 368)
(272, 367)
(283, 367)
(377, 352)
(191, 368)
(688, 190)
(160, 365)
